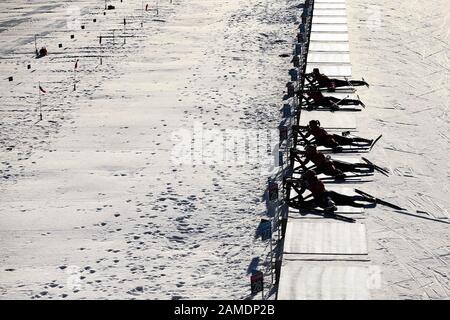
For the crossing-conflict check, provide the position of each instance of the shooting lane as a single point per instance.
(326, 258)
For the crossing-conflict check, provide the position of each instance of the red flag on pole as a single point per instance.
(41, 89)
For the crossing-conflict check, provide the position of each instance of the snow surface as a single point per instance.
(94, 190)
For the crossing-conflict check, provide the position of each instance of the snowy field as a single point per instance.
(402, 48)
(94, 202)
(95, 189)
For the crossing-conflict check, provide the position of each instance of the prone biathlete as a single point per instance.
(320, 80)
(323, 198)
(330, 167)
(314, 99)
(323, 138)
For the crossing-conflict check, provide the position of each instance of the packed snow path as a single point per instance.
(324, 258)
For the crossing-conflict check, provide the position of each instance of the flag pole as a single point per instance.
(35, 44)
(124, 36)
(101, 49)
(40, 102)
(75, 69)
(142, 14)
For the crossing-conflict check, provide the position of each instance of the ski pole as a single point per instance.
(349, 83)
(362, 104)
(337, 103)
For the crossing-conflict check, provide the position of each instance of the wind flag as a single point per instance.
(41, 89)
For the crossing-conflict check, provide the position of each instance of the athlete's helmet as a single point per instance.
(314, 123)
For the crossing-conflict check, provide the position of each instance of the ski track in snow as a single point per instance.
(91, 204)
(402, 50)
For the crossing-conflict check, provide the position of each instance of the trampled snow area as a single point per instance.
(105, 186)
(97, 186)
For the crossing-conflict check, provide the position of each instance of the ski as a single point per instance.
(328, 215)
(349, 129)
(349, 150)
(350, 176)
(340, 89)
(347, 181)
(375, 166)
(374, 142)
(378, 168)
(362, 104)
(380, 201)
(340, 149)
(339, 110)
(338, 217)
(330, 128)
(368, 85)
